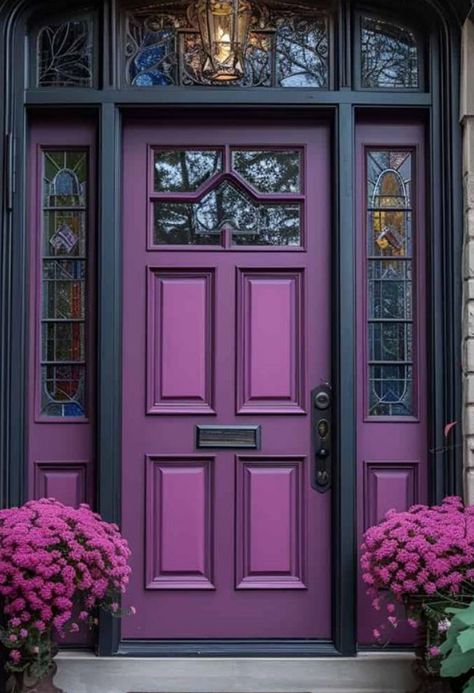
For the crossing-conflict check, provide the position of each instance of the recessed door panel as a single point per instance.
(180, 341)
(271, 345)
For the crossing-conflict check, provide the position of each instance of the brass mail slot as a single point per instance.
(228, 437)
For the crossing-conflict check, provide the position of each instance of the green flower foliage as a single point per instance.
(457, 651)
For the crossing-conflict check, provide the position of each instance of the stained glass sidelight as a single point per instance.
(390, 283)
(225, 211)
(64, 54)
(286, 47)
(64, 284)
(389, 55)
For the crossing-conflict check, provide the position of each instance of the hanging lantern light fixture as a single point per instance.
(224, 27)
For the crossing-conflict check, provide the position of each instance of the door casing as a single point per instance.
(444, 260)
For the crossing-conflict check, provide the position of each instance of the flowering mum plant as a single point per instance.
(57, 565)
(424, 559)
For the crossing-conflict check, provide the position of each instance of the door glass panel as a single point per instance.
(64, 54)
(180, 170)
(265, 45)
(268, 171)
(389, 55)
(389, 178)
(389, 233)
(302, 52)
(390, 341)
(174, 224)
(391, 390)
(226, 213)
(227, 206)
(279, 225)
(390, 290)
(390, 293)
(201, 222)
(64, 283)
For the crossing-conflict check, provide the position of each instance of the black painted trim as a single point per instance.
(444, 254)
(229, 96)
(109, 331)
(227, 648)
(13, 279)
(344, 488)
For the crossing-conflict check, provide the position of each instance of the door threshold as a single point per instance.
(228, 648)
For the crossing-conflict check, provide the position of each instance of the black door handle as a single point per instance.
(321, 401)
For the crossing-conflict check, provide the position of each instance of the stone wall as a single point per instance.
(467, 120)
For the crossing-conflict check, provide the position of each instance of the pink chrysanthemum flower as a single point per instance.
(55, 559)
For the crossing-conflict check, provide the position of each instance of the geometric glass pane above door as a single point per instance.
(282, 46)
(202, 222)
(249, 197)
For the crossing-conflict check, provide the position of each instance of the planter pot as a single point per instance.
(22, 683)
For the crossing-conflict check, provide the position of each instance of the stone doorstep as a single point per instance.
(383, 672)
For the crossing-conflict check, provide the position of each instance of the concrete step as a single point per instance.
(367, 673)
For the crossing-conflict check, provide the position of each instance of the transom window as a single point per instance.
(227, 43)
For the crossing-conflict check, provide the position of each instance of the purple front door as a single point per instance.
(226, 313)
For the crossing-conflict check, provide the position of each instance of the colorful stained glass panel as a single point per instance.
(390, 282)
(64, 284)
(287, 46)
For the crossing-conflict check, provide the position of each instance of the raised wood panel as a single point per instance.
(388, 485)
(179, 523)
(270, 523)
(180, 341)
(67, 482)
(270, 342)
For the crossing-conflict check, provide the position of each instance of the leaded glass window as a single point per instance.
(64, 54)
(63, 338)
(390, 282)
(286, 46)
(248, 197)
(389, 55)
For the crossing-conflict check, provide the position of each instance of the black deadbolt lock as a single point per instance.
(322, 399)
